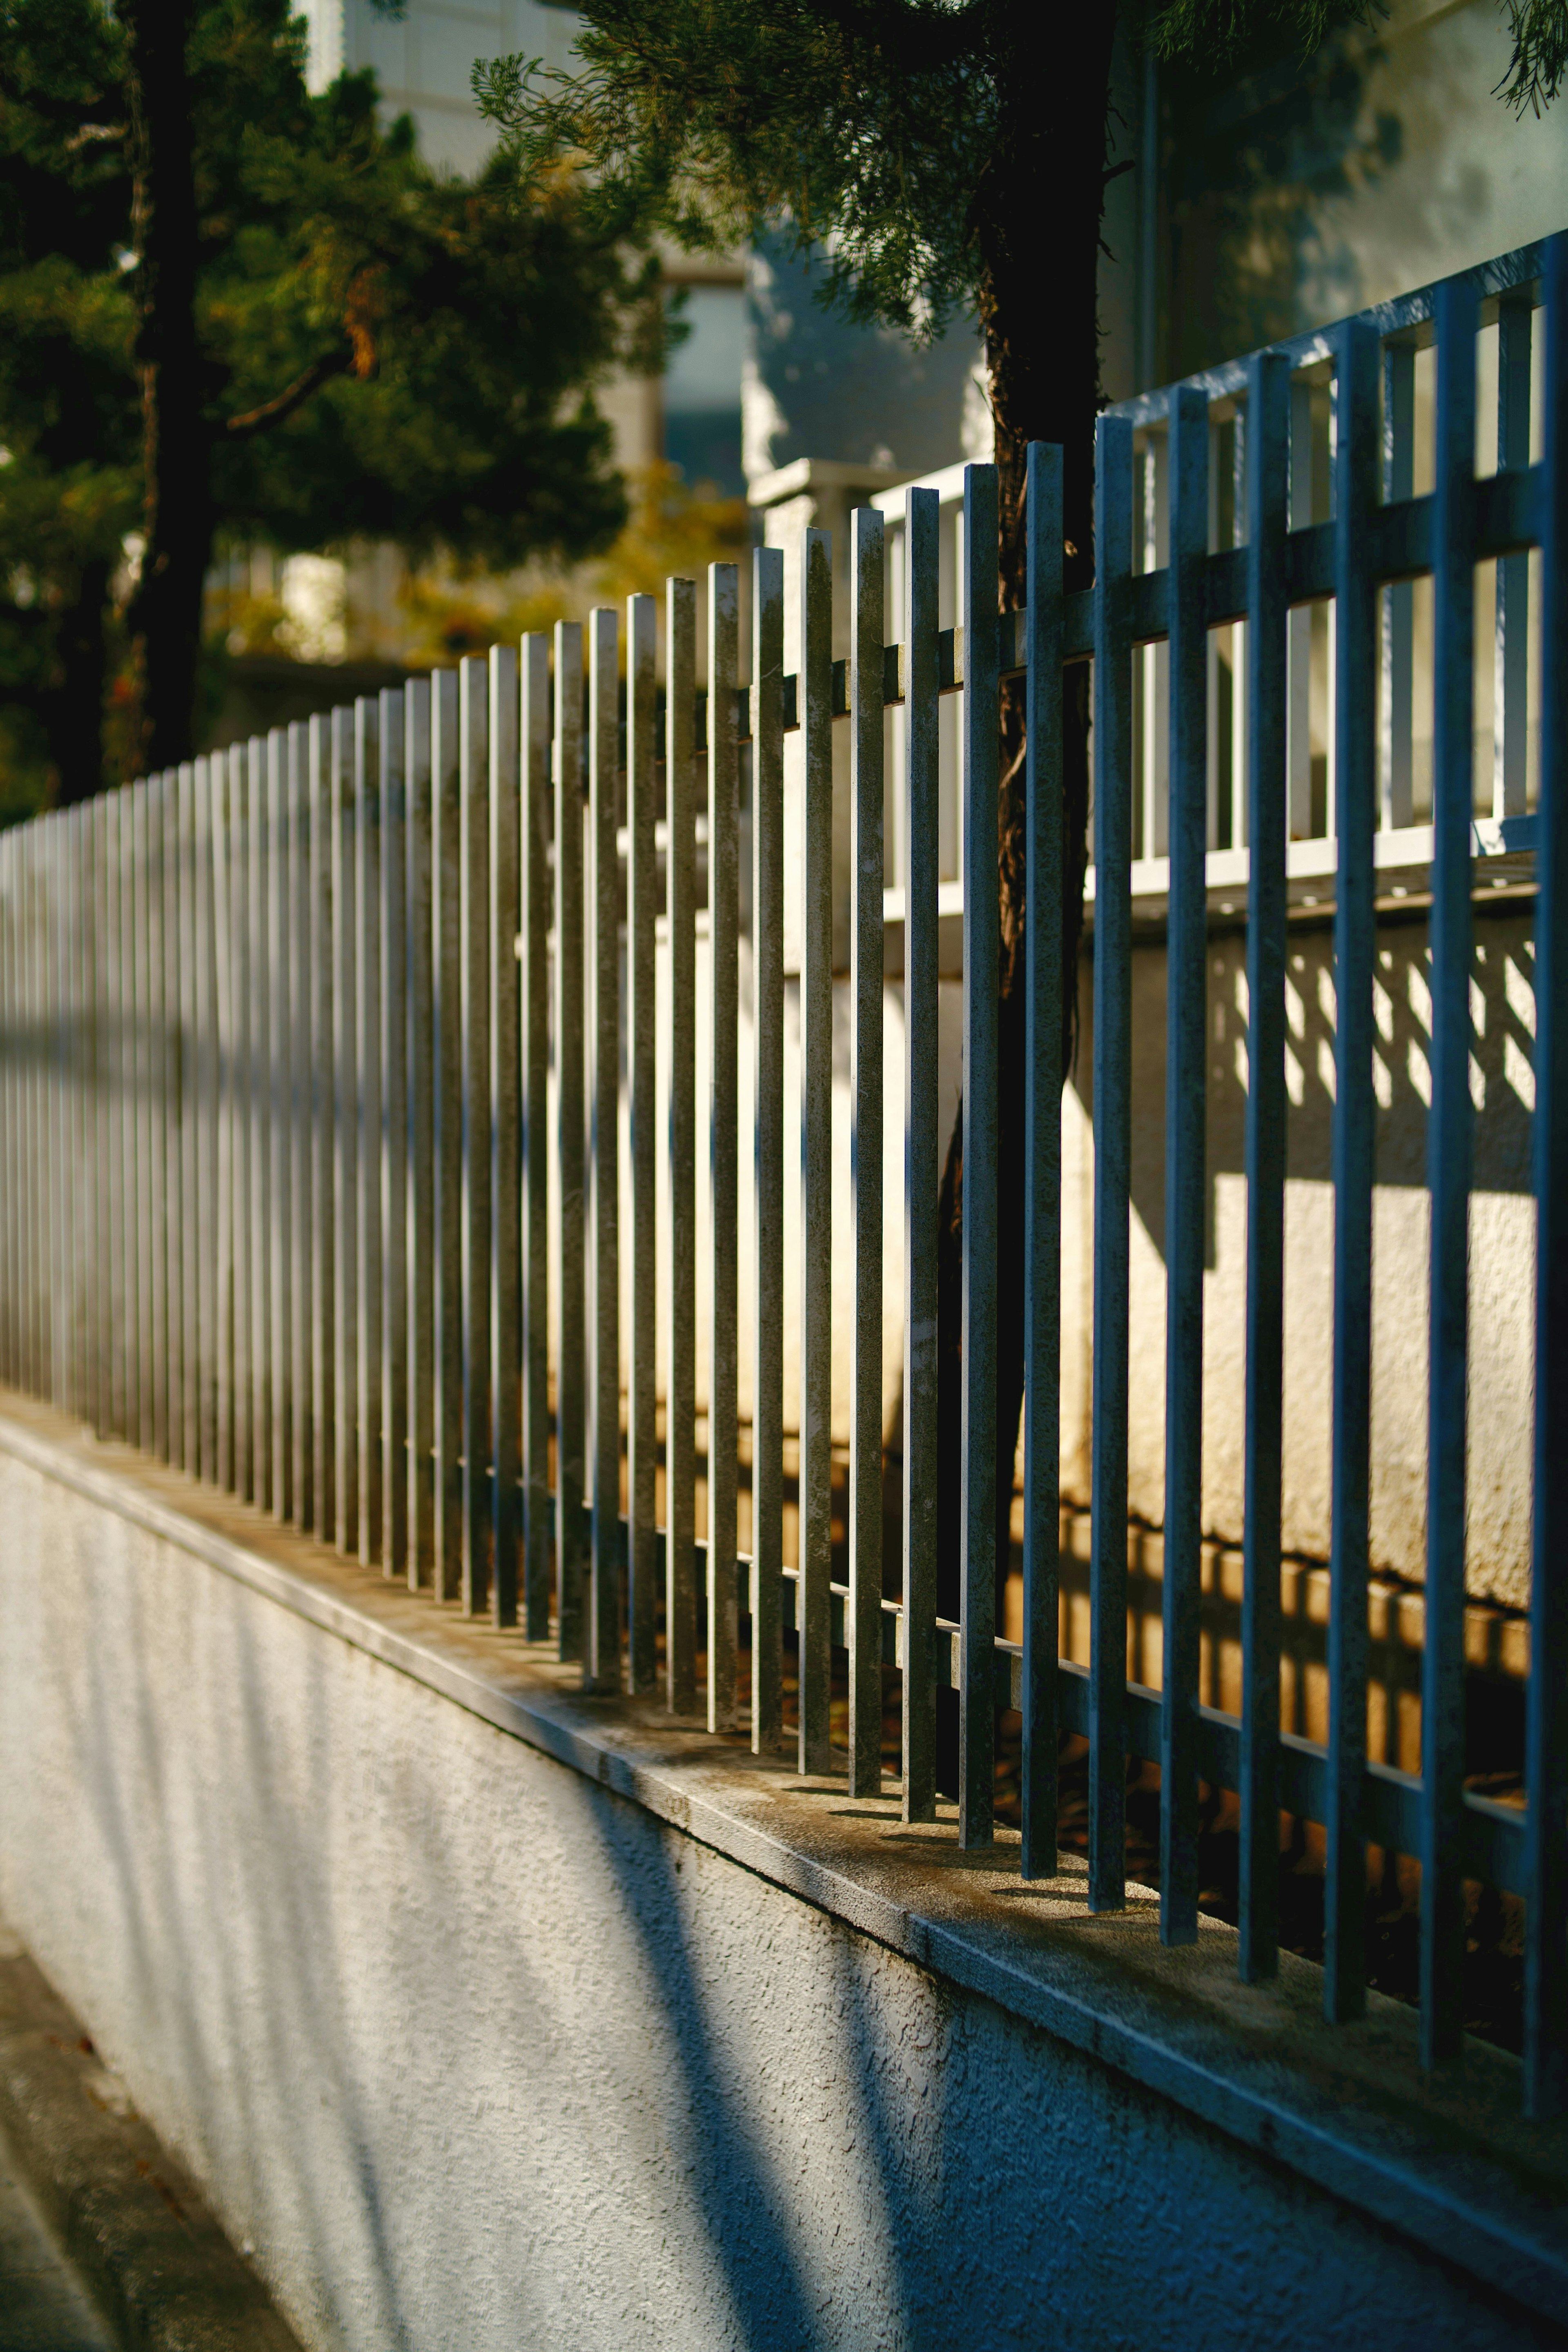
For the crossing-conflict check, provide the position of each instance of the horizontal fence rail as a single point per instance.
(351, 1128)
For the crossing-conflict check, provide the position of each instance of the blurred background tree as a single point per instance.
(236, 311)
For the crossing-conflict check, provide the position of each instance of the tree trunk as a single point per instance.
(166, 614)
(73, 710)
(1038, 227)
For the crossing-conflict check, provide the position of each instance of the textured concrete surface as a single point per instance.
(130, 2240)
(474, 2051)
(43, 2306)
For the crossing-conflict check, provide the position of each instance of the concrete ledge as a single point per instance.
(133, 2221)
(1445, 2164)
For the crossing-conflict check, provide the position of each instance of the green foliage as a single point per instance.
(1539, 60)
(383, 350)
(69, 458)
(867, 126)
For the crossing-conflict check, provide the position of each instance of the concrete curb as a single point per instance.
(128, 2217)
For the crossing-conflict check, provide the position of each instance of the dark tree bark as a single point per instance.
(73, 708)
(166, 613)
(1038, 228)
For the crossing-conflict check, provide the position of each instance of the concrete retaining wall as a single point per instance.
(476, 2053)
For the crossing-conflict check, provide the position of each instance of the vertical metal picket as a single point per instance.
(116, 1017)
(506, 1113)
(344, 1116)
(321, 1223)
(205, 853)
(419, 1013)
(767, 1148)
(1511, 698)
(642, 1021)
(1045, 805)
(229, 1259)
(1186, 1051)
(922, 1142)
(863, 1626)
(142, 1349)
(447, 1132)
(1112, 803)
(982, 949)
(813, 1606)
(1355, 1109)
(569, 1433)
(535, 851)
(366, 1111)
(192, 1102)
(602, 1632)
(1449, 1130)
(394, 983)
(680, 1349)
(1397, 602)
(473, 862)
(1546, 1731)
(178, 1136)
(285, 848)
(259, 1080)
(168, 1200)
(723, 1136)
(1267, 818)
(304, 841)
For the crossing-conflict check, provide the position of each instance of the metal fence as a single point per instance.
(348, 1094)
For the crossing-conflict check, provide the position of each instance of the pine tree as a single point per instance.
(240, 312)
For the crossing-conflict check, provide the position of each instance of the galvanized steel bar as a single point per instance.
(285, 850)
(922, 1144)
(813, 1598)
(473, 862)
(1112, 804)
(602, 1646)
(768, 1147)
(506, 1118)
(419, 878)
(447, 1440)
(680, 1346)
(1546, 1732)
(1449, 1157)
(723, 1139)
(1187, 1046)
(1510, 693)
(1354, 1122)
(1045, 803)
(192, 1226)
(168, 1142)
(179, 1133)
(116, 1243)
(258, 998)
(140, 1069)
(83, 1269)
(535, 892)
(569, 1433)
(981, 949)
(104, 994)
(227, 781)
(9, 1046)
(345, 1430)
(369, 1173)
(304, 840)
(213, 1160)
(393, 989)
(642, 1025)
(863, 1624)
(321, 1223)
(1398, 600)
(1267, 820)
